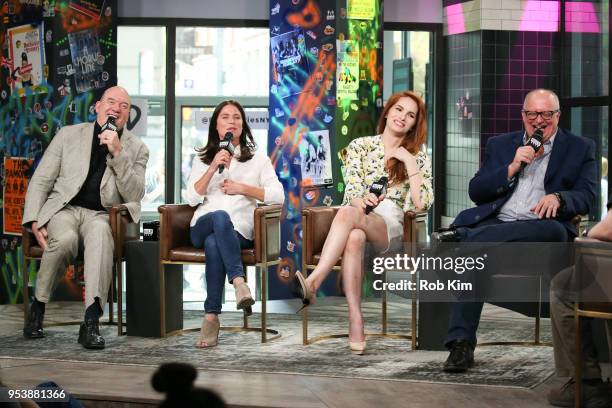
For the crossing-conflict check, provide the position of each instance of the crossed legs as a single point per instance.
(349, 232)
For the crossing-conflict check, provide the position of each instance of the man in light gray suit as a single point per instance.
(86, 169)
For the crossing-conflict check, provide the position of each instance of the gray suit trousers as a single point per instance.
(72, 230)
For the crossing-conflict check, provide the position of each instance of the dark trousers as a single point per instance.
(465, 316)
(222, 244)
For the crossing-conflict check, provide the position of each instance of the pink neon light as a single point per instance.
(581, 17)
(540, 16)
(454, 19)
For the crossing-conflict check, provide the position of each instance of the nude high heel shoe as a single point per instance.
(303, 291)
(209, 334)
(244, 300)
(357, 347)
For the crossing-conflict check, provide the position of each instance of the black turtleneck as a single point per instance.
(89, 195)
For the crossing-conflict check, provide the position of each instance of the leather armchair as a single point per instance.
(593, 281)
(316, 222)
(176, 248)
(122, 229)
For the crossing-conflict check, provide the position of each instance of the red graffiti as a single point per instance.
(308, 17)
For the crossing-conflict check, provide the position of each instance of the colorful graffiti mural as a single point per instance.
(325, 90)
(57, 58)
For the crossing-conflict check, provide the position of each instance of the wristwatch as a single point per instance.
(561, 200)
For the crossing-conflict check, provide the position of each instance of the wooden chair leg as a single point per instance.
(264, 296)
(413, 338)
(111, 298)
(384, 306)
(162, 300)
(305, 327)
(247, 311)
(25, 291)
(119, 269)
(578, 361)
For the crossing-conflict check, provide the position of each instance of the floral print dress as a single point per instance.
(364, 165)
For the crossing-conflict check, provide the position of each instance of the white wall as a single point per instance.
(412, 11)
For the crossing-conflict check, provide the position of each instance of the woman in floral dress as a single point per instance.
(396, 153)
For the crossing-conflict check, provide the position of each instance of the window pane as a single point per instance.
(587, 37)
(222, 61)
(141, 69)
(592, 122)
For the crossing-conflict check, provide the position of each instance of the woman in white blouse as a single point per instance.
(396, 153)
(226, 187)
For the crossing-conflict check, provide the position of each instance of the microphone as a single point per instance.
(109, 125)
(535, 141)
(226, 144)
(378, 188)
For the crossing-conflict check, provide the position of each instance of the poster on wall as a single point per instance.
(87, 8)
(16, 175)
(27, 57)
(316, 158)
(361, 9)
(87, 60)
(289, 63)
(347, 71)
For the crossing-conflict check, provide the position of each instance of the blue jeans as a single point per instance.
(222, 244)
(465, 316)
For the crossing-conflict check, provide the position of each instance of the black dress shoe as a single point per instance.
(447, 235)
(89, 335)
(33, 328)
(461, 357)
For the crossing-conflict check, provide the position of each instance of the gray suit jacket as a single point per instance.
(64, 167)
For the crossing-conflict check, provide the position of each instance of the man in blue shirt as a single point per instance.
(521, 195)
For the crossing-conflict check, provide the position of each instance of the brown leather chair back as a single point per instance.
(316, 222)
(174, 227)
(593, 275)
(266, 230)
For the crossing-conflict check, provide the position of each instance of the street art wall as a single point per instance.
(57, 58)
(325, 90)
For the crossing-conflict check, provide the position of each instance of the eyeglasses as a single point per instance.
(546, 115)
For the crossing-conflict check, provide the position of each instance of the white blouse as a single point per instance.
(257, 172)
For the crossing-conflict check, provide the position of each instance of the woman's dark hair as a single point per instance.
(176, 380)
(413, 140)
(247, 143)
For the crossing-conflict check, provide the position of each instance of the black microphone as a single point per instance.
(378, 188)
(226, 144)
(109, 125)
(535, 141)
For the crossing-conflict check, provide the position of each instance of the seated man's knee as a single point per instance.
(101, 228)
(66, 241)
(557, 232)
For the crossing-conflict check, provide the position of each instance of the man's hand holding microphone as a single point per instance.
(108, 136)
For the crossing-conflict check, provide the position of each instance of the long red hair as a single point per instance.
(412, 141)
